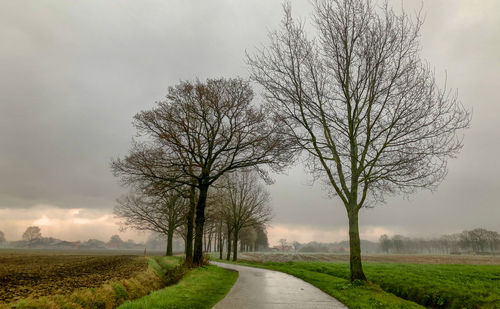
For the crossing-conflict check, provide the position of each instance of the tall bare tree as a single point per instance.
(200, 132)
(246, 204)
(361, 103)
(163, 213)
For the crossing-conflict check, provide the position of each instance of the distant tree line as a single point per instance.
(321, 247)
(33, 238)
(477, 241)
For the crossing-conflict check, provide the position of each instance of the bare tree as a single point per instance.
(229, 233)
(361, 103)
(32, 234)
(493, 239)
(283, 244)
(136, 171)
(248, 237)
(199, 133)
(479, 240)
(115, 242)
(163, 213)
(385, 243)
(261, 243)
(246, 204)
(216, 217)
(398, 242)
(296, 245)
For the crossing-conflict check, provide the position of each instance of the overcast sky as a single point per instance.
(73, 74)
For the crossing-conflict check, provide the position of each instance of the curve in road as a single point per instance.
(268, 289)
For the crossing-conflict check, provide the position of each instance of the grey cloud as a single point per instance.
(73, 73)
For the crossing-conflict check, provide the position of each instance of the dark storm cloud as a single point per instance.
(73, 73)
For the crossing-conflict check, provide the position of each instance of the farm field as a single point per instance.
(83, 252)
(381, 258)
(442, 282)
(29, 273)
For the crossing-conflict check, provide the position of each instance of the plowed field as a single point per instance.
(23, 275)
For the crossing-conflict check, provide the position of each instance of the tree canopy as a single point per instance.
(358, 100)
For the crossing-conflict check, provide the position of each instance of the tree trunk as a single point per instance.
(235, 245)
(221, 242)
(199, 222)
(210, 236)
(228, 255)
(355, 248)
(190, 226)
(170, 236)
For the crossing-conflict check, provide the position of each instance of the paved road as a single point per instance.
(267, 289)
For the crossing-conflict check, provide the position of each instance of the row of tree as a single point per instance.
(194, 170)
(237, 210)
(356, 99)
(367, 247)
(474, 241)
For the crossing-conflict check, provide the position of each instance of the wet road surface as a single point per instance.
(267, 289)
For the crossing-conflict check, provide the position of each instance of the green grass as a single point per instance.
(394, 285)
(200, 288)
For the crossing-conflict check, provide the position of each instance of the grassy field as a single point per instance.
(396, 285)
(200, 288)
(74, 281)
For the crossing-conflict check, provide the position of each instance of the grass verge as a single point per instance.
(200, 288)
(161, 272)
(401, 285)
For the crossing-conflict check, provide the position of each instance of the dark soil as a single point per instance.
(23, 275)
